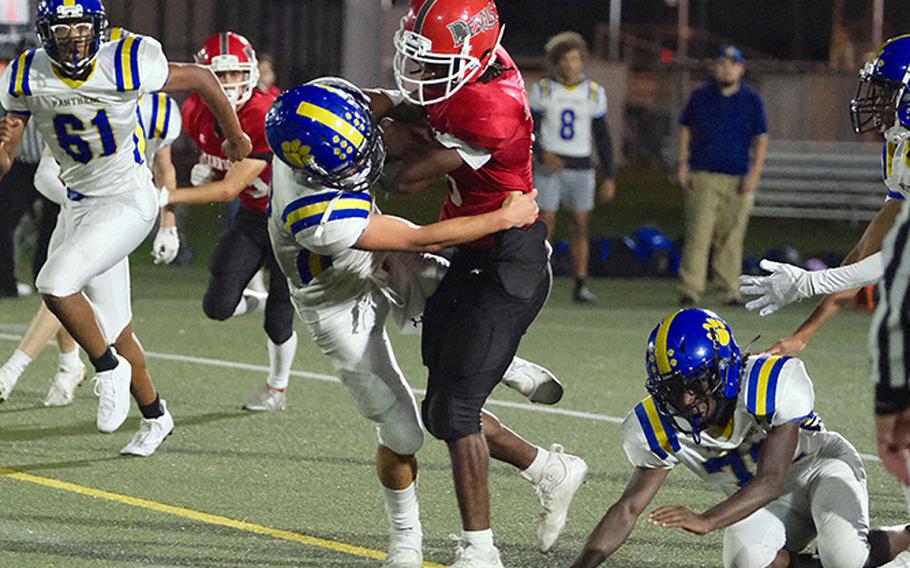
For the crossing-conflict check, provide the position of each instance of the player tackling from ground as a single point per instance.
(244, 248)
(747, 425)
(324, 225)
(83, 93)
(449, 60)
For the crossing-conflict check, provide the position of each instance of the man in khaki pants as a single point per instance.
(721, 122)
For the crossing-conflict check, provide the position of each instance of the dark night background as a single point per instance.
(787, 29)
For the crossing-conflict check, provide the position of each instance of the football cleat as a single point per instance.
(152, 432)
(268, 400)
(584, 295)
(403, 557)
(563, 474)
(62, 391)
(467, 556)
(113, 391)
(534, 382)
(8, 380)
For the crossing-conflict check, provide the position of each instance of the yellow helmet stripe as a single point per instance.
(333, 121)
(69, 3)
(663, 359)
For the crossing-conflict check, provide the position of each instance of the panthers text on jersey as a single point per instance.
(321, 266)
(566, 113)
(159, 116)
(896, 162)
(490, 124)
(90, 125)
(775, 390)
(203, 128)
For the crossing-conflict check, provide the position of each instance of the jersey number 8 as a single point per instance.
(567, 126)
(68, 128)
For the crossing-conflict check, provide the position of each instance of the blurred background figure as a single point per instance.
(722, 121)
(18, 197)
(570, 114)
(267, 77)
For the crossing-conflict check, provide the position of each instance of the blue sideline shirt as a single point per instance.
(723, 128)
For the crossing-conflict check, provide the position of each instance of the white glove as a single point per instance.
(166, 245)
(201, 174)
(164, 196)
(785, 284)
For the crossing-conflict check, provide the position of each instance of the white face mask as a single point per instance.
(414, 54)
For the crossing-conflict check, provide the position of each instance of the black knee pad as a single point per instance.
(216, 308)
(448, 417)
(279, 322)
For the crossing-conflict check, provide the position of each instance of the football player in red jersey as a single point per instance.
(244, 248)
(449, 60)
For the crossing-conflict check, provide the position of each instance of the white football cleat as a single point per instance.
(563, 474)
(467, 556)
(403, 557)
(534, 382)
(268, 400)
(152, 431)
(113, 391)
(8, 380)
(62, 392)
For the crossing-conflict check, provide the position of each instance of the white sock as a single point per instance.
(480, 539)
(17, 362)
(69, 360)
(403, 511)
(242, 308)
(280, 359)
(534, 473)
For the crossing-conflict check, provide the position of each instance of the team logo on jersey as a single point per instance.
(482, 21)
(296, 153)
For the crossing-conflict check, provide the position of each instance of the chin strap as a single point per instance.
(696, 431)
(327, 215)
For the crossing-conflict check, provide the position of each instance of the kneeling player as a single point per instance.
(748, 427)
(323, 226)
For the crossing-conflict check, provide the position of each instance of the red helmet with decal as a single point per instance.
(442, 45)
(228, 52)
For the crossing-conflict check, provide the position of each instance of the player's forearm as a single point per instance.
(168, 218)
(215, 192)
(761, 154)
(758, 493)
(869, 244)
(12, 130)
(612, 531)
(199, 79)
(685, 135)
(461, 230)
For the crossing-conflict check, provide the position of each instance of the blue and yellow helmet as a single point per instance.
(62, 51)
(326, 130)
(883, 88)
(688, 349)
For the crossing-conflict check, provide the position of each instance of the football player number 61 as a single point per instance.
(68, 128)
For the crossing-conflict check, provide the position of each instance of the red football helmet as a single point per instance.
(442, 45)
(230, 52)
